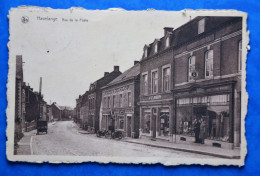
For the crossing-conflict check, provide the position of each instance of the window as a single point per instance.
(108, 102)
(145, 84)
(114, 101)
(145, 52)
(120, 100)
(156, 48)
(105, 102)
(166, 78)
(209, 64)
(154, 81)
(191, 68)
(201, 26)
(240, 55)
(129, 99)
(167, 42)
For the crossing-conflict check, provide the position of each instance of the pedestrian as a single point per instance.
(202, 131)
(197, 130)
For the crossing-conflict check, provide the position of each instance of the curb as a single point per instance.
(187, 150)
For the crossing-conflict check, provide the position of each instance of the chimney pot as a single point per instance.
(136, 62)
(167, 29)
(106, 73)
(116, 68)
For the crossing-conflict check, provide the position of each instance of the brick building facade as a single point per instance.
(95, 97)
(194, 72)
(119, 103)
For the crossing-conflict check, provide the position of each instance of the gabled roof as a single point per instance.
(128, 74)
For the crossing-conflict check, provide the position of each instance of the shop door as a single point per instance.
(128, 128)
(154, 122)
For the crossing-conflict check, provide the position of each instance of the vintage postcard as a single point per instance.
(127, 86)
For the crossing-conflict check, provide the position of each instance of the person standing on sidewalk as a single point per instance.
(202, 131)
(197, 130)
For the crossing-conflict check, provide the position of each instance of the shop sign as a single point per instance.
(155, 97)
(129, 110)
(222, 88)
(117, 90)
(121, 112)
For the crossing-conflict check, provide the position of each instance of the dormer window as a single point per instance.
(156, 48)
(167, 42)
(201, 26)
(145, 52)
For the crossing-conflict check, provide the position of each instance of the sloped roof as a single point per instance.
(62, 107)
(130, 73)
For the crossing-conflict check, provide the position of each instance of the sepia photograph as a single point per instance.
(127, 86)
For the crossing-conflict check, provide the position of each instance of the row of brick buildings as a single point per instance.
(30, 105)
(192, 72)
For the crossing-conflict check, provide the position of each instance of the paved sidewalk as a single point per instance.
(24, 145)
(188, 147)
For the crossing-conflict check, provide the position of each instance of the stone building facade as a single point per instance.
(119, 103)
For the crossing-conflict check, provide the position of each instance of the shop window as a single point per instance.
(154, 81)
(240, 55)
(213, 110)
(145, 84)
(209, 64)
(164, 123)
(201, 26)
(166, 79)
(129, 99)
(121, 122)
(191, 68)
(146, 122)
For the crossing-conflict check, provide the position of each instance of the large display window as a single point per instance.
(146, 121)
(213, 110)
(164, 122)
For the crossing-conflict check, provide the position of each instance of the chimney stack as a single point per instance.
(167, 29)
(116, 68)
(136, 62)
(106, 73)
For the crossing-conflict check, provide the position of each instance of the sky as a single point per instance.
(69, 55)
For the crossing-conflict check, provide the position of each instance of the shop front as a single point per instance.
(156, 119)
(205, 107)
(120, 119)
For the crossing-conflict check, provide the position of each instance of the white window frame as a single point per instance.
(190, 79)
(165, 67)
(207, 59)
(201, 26)
(152, 71)
(145, 87)
(121, 100)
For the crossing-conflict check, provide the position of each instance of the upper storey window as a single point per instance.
(156, 48)
(145, 84)
(201, 26)
(167, 42)
(240, 55)
(192, 60)
(166, 78)
(209, 64)
(154, 81)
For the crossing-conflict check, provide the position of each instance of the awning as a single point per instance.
(218, 109)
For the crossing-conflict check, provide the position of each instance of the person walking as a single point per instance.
(202, 135)
(197, 130)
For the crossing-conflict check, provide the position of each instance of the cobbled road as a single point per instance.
(63, 138)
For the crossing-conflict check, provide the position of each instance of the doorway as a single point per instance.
(128, 127)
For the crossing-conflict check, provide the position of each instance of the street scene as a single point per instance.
(180, 96)
(64, 138)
